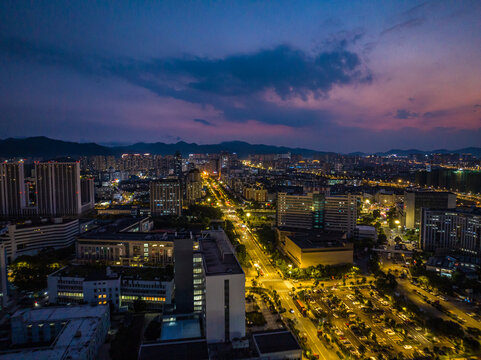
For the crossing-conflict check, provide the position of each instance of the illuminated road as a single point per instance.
(272, 280)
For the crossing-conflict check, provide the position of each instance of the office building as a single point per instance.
(126, 248)
(12, 188)
(59, 189)
(311, 248)
(71, 332)
(166, 197)
(118, 286)
(31, 237)
(456, 230)
(416, 200)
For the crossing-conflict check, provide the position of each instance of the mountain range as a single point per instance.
(42, 147)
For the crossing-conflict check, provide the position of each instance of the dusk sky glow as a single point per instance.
(335, 76)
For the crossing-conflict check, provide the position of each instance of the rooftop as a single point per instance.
(178, 350)
(275, 341)
(218, 254)
(92, 272)
(318, 239)
(74, 337)
(36, 222)
(60, 313)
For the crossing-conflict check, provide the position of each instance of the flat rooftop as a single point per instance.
(318, 239)
(36, 222)
(178, 350)
(135, 236)
(275, 341)
(61, 313)
(91, 272)
(218, 254)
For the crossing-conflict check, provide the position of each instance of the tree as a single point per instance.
(241, 253)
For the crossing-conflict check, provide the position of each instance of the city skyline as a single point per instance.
(338, 77)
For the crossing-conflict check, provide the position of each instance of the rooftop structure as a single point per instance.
(73, 332)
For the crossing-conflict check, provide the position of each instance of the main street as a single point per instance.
(272, 278)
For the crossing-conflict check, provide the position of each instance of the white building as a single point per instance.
(31, 237)
(117, 286)
(224, 289)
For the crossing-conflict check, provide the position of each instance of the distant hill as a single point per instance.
(43, 147)
(476, 151)
(46, 148)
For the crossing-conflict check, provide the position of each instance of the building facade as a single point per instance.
(31, 237)
(456, 230)
(416, 200)
(12, 188)
(166, 197)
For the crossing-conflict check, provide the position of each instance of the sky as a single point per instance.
(338, 76)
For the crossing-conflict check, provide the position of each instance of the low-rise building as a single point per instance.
(118, 286)
(312, 248)
(32, 236)
(364, 232)
(69, 332)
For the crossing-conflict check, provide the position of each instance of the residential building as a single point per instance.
(294, 210)
(457, 230)
(12, 188)
(166, 197)
(253, 194)
(193, 186)
(416, 200)
(59, 189)
(340, 213)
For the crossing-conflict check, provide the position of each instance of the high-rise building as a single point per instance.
(415, 200)
(178, 164)
(340, 213)
(316, 211)
(456, 230)
(193, 186)
(59, 189)
(166, 197)
(12, 188)
(294, 210)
